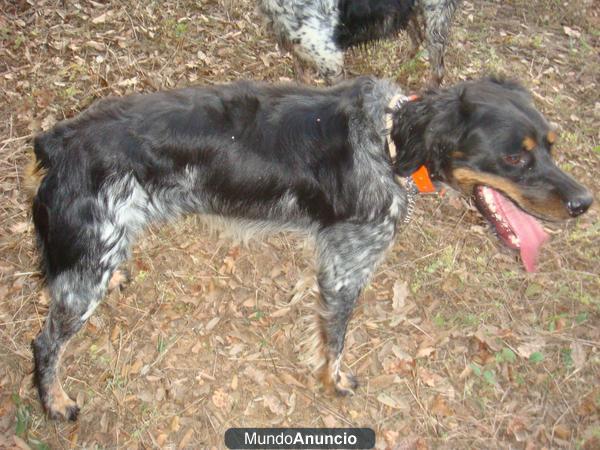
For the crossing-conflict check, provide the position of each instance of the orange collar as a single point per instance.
(421, 176)
(422, 180)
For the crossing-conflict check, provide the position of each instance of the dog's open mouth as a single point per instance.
(516, 228)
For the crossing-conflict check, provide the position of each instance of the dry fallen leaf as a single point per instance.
(578, 354)
(440, 407)
(101, 18)
(381, 381)
(128, 82)
(400, 291)
(430, 379)
(571, 32)
(291, 402)
(20, 443)
(48, 122)
(274, 404)
(136, 366)
(425, 351)
(391, 437)
(19, 227)
(222, 399)
(258, 376)
(533, 345)
(212, 323)
(467, 371)
(518, 428)
(161, 439)
(289, 379)
(280, 312)
(330, 421)
(186, 439)
(562, 432)
(487, 335)
(393, 401)
(175, 424)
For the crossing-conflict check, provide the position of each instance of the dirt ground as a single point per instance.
(454, 344)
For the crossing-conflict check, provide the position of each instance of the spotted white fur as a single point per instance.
(347, 250)
(307, 27)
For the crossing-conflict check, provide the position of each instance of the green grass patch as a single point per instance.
(536, 357)
(566, 357)
(22, 417)
(161, 345)
(505, 355)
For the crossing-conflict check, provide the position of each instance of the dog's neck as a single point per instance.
(420, 178)
(395, 103)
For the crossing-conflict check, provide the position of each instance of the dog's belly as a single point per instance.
(128, 207)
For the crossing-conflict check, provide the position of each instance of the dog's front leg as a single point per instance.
(347, 255)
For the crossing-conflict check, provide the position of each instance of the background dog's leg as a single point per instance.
(347, 255)
(300, 71)
(438, 18)
(318, 48)
(415, 33)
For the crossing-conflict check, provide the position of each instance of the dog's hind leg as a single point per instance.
(347, 256)
(74, 295)
(81, 253)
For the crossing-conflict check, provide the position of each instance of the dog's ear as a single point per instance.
(466, 107)
(425, 131)
(409, 135)
(516, 88)
(506, 83)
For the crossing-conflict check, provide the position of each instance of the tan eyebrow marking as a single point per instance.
(529, 143)
(551, 137)
(457, 154)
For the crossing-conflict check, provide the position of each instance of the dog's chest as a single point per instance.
(411, 190)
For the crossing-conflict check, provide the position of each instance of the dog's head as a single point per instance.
(486, 139)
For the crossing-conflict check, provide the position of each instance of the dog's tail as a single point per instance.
(45, 146)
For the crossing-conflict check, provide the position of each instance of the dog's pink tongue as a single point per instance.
(530, 233)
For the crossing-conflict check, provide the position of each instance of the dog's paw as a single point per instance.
(119, 280)
(61, 407)
(345, 384)
(69, 413)
(339, 383)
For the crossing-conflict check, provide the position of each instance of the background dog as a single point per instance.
(319, 31)
(285, 156)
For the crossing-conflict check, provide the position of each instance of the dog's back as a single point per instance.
(278, 153)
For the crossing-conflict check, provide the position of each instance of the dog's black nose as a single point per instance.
(579, 205)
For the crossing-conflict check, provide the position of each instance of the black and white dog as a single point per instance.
(319, 31)
(324, 161)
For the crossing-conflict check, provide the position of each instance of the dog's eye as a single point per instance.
(514, 160)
